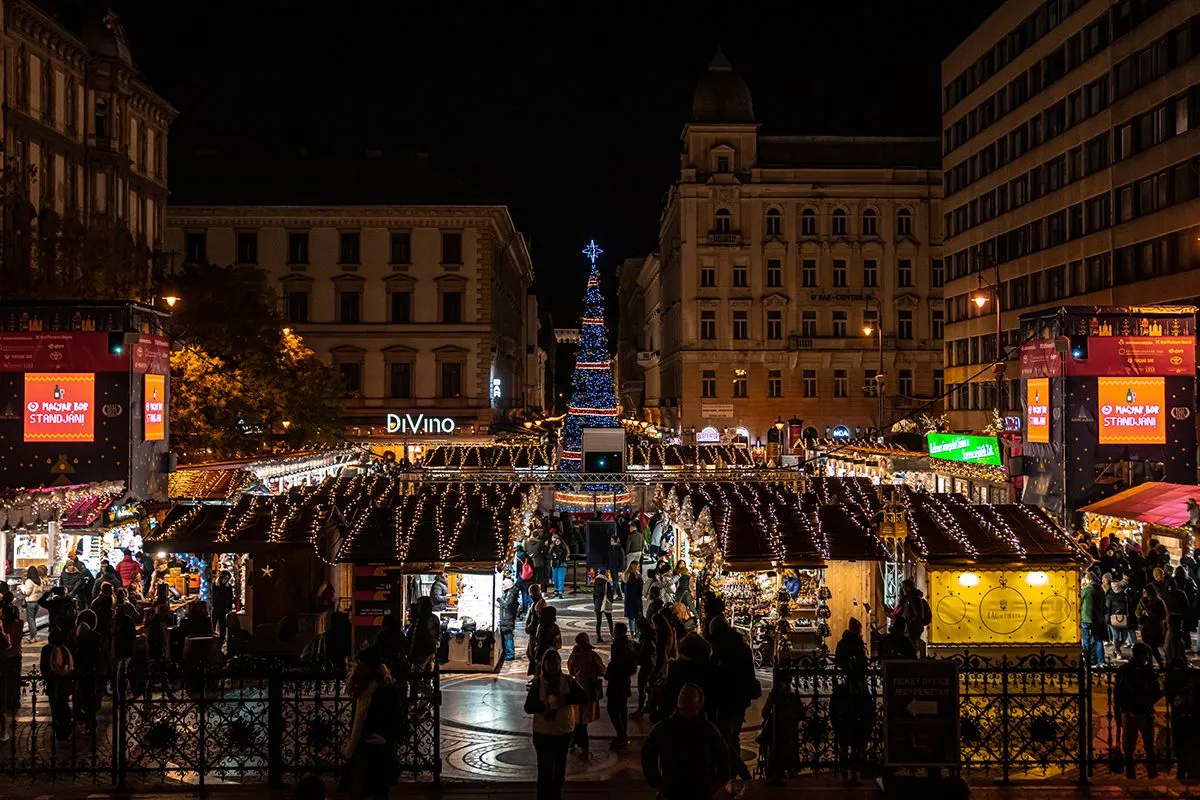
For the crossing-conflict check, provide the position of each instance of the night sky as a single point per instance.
(569, 113)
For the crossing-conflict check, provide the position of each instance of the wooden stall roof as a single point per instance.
(948, 528)
(654, 455)
(488, 456)
(209, 484)
(1154, 503)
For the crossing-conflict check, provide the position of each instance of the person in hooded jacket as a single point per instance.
(509, 602)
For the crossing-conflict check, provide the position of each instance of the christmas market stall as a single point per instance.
(449, 541)
(43, 527)
(880, 463)
(1148, 511)
(223, 481)
(995, 576)
(792, 561)
(519, 456)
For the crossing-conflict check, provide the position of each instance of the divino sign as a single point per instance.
(419, 423)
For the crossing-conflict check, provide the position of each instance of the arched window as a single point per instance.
(904, 222)
(22, 77)
(723, 222)
(808, 222)
(48, 93)
(774, 222)
(839, 222)
(870, 222)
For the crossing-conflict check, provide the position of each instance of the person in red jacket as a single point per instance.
(129, 569)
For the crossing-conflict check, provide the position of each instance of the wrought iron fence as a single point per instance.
(247, 725)
(1041, 715)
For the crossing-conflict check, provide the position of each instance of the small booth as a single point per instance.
(41, 527)
(995, 576)
(1148, 511)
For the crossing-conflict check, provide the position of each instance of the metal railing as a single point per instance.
(248, 724)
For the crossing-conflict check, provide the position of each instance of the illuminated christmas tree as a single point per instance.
(594, 397)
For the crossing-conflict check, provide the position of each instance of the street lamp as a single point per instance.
(984, 293)
(880, 378)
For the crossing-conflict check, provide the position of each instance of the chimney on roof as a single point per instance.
(374, 153)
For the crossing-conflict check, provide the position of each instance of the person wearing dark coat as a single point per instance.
(57, 604)
(851, 708)
(222, 603)
(1120, 617)
(694, 665)
(735, 661)
(616, 564)
(684, 757)
(895, 644)
(602, 600)
(646, 655)
(622, 665)
(509, 602)
(439, 593)
(633, 593)
(1152, 622)
(1135, 694)
(89, 664)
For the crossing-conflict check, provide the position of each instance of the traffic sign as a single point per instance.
(920, 709)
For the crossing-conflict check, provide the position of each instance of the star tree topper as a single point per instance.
(592, 251)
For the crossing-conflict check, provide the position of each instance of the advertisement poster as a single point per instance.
(60, 407)
(1137, 355)
(1037, 410)
(155, 412)
(964, 448)
(1132, 410)
(990, 608)
(80, 351)
(1039, 359)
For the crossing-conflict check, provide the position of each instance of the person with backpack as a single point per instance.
(917, 614)
(523, 570)
(58, 671)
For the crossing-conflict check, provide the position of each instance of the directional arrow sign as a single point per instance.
(920, 707)
(923, 708)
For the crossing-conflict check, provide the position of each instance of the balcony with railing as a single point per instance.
(724, 239)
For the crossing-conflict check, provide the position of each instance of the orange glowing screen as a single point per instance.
(1131, 410)
(1037, 410)
(60, 406)
(155, 408)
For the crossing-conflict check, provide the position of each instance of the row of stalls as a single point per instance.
(889, 464)
(1149, 511)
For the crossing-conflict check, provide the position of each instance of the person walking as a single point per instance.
(559, 555)
(1092, 620)
(635, 544)
(533, 621)
(615, 563)
(684, 757)
(1135, 693)
(1152, 621)
(509, 602)
(633, 593)
(371, 768)
(550, 700)
(33, 589)
(523, 570)
(587, 668)
(622, 664)
(645, 656)
(602, 600)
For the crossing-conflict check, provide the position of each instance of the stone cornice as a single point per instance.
(397, 216)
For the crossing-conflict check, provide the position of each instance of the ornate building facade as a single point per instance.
(774, 253)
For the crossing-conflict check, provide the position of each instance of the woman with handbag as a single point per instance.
(1117, 605)
(602, 600)
(587, 668)
(550, 698)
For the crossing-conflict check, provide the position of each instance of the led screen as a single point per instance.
(1131, 410)
(965, 448)
(1037, 410)
(156, 407)
(60, 407)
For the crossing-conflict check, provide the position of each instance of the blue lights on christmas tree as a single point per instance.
(594, 399)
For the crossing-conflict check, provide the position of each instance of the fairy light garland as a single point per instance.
(941, 515)
(997, 527)
(1048, 526)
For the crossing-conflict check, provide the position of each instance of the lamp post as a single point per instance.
(880, 378)
(984, 293)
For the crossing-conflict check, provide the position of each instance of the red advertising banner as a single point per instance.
(154, 423)
(1039, 359)
(60, 407)
(1132, 410)
(1137, 355)
(1037, 410)
(80, 351)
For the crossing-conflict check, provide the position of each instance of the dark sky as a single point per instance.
(569, 112)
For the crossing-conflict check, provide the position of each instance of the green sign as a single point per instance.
(964, 447)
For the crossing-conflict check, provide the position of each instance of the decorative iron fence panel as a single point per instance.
(242, 726)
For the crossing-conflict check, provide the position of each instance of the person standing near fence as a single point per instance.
(1152, 621)
(371, 768)
(1092, 619)
(1116, 603)
(1135, 693)
(851, 706)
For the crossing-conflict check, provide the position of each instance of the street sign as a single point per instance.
(920, 710)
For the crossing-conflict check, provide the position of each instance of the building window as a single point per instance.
(708, 277)
(723, 223)
(739, 383)
(870, 223)
(195, 246)
(351, 375)
(808, 222)
(904, 326)
(904, 272)
(452, 303)
(839, 222)
(708, 324)
(939, 383)
(775, 325)
(870, 273)
(741, 325)
(452, 248)
(906, 383)
(904, 222)
(808, 383)
(937, 273)
(401, 247)
(298, 247)
(722, 163)
(48, 93)
(774, 223)
(839, 273)
(808, 273)
(708, 383)
(841, 383)
(840, 319)
(297, 306)
(774, 273)
(871, 320)
(247, 247)
(349, 247)
(451, 379)
(741, 276)
(870, 386)
(69, 106)
(808, 324)
(401, 307)
(775, 383)
(937, 324)
(349, 305)
(100, 120)
(400, 379)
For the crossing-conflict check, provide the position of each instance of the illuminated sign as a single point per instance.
(419, 424)
(841, 433)
(708, 435)
(961, 447)
(1037, 410)
(1132, 410)
(1002, 607)
(60, 407)
(154, 423)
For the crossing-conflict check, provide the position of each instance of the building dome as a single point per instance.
(721, 95)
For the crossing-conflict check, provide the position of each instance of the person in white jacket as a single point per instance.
(33, 587)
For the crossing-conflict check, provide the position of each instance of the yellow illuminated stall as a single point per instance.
(1000, 607)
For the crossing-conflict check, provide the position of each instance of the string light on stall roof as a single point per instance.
(914, 528)
(942, 516)
(1037, 517)
(996, 525)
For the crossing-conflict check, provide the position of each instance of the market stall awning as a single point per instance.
(485, 456)
(654, 455)
(209, 484)
(1154, 503)
(78, 506)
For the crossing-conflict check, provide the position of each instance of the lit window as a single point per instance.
(739, 383)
